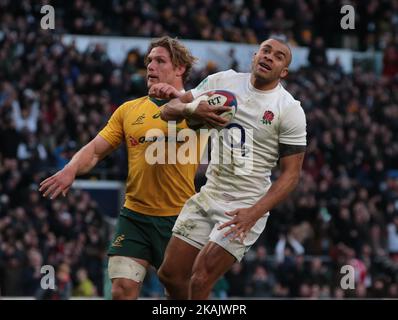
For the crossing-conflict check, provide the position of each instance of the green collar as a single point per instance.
(159, 102)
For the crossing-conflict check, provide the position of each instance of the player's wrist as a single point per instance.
(71, 168)
(191, 107)
(178, 94)
(188, 110)
(258, 211)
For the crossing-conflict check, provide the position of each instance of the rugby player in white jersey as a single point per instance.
(218, 225)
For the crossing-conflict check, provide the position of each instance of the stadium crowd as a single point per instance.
(54, 99)
(376, 21)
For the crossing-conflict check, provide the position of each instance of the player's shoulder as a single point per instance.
(137, 101)
(129, 104)
(227, 74)
(288, 100)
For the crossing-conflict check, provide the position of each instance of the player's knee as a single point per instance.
(124, 289)
(117, 292)
(127, 276)
(199, 281)
(166, 276)
(171, 278)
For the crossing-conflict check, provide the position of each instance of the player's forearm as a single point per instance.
(84, 160)
(174, 109)
(278, 192)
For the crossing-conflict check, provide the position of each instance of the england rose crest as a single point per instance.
(267, 117)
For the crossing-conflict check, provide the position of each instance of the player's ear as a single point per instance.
(254, 57)
(180, 70)
(284, 72)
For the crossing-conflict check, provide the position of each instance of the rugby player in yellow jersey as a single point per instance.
(155, 193)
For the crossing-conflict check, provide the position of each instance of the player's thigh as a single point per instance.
(160, 236)
(236, 247)
(131, 237)
(178, 259)
(212, 262)
(194, 223)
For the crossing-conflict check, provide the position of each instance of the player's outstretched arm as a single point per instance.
(164, 91)
(82, 162)
(290, 166)
(174, 109)
(244, 219)
(198, 109)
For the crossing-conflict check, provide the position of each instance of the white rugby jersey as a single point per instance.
(262, 121)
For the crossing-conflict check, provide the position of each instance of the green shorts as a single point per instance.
(141, 236)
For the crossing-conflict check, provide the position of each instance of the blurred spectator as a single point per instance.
(27, 115)
(237, 281)
(361, 291)
(220, 289)
(318, 273)
(393, 291)
(325, 292)
(287, 246)
(260, 259)
(281, 291)
(378, 289)
(32, 274)
(338, 293)
(390, 61)
(84, 287)
(9, 139)
(392, 229)
(317, 55)
(261, 283)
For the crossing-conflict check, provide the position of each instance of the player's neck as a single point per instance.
(179, 86)
(263, 85)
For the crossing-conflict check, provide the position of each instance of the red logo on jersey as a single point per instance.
(267, 117)
(133, 141)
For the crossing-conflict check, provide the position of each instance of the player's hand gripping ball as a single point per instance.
(215, 99)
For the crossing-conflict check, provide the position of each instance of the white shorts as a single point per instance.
(199, 219)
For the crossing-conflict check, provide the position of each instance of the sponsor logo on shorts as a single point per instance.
(118, 241)
(184, 227)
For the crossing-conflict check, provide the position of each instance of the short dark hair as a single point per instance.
(179, 54)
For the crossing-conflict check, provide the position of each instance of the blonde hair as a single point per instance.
(179, 54)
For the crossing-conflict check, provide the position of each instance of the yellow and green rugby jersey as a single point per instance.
(152, 189)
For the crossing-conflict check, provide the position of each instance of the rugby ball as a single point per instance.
(215, 99)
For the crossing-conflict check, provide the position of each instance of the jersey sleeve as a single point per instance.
(212, 82)
(293, 127)
(113, 131)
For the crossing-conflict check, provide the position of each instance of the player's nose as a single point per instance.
(151, 66)
(268, 57)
